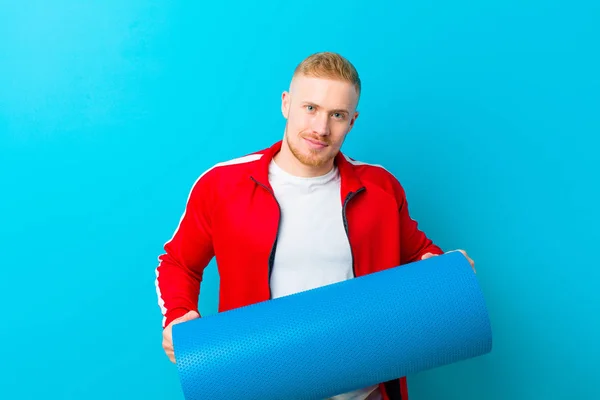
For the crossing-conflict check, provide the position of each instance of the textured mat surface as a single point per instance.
(333, 339)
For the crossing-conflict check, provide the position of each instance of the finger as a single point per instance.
(469, 259)
(188, 316)
(192, 314)
(171, 356)
(464, 253)
(471, 262)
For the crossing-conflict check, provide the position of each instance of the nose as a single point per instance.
(320, 125)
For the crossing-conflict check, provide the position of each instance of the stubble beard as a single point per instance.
(314, 158)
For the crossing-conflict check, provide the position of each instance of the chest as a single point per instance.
(311, 228)
(254, 224)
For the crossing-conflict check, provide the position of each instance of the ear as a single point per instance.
(353, 120)
(285, 104)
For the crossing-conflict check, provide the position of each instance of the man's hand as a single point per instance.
(168, 333)
(429, 255)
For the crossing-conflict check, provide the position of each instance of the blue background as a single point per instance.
(487, 112)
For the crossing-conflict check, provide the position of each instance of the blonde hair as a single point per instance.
(329, 65)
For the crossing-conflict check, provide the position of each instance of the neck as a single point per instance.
(286, 160)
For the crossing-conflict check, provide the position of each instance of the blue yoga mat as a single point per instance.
(337, 338)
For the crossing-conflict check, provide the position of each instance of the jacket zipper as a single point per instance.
(348, 198)
(272, 253)
(344, 217)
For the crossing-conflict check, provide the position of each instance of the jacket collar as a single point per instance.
(350, 181)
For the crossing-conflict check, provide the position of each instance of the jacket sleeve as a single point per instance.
(187, 253)
(414, 242)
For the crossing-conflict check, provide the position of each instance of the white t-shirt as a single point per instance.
(312, 246)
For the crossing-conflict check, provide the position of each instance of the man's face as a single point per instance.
(320, 112)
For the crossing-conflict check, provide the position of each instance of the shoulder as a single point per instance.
(229, 168)
(234, 166)
(376, 175)
(373, 173)
(218, 176)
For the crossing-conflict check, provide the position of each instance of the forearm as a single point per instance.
(177, 288)
(187, 253)
(419, 245)
(415, 243)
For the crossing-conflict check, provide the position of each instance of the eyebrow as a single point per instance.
(342, 110)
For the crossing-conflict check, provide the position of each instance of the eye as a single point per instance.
(309, 108)
(338, 115)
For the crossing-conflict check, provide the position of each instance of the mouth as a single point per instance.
(315, 143)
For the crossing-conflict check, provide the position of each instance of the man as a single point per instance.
(295, 216)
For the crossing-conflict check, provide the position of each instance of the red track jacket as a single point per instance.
(232, 215)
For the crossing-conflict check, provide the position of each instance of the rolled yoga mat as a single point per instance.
(337, 338)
